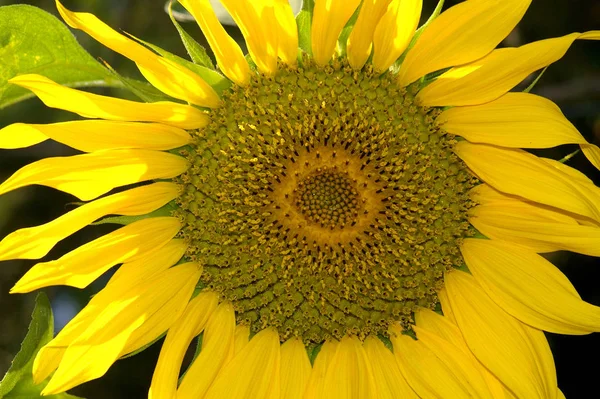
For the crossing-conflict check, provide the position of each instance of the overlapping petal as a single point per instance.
(295, 369)
(515, 120)
(288, 32)
(88, 176)
(94, 135)
(91, 354)
(217, 350)
(329, 18)
(395, 31)
(321, 365)
(499, 341)
(388, 379)
(253, 372)
(166, 75)
(535, 227)
(461, 34)
(256, 20)
(36, 242)
(191, 323)
(519, 173)
(83, 265)
(349, 374)
(494, 75)
(228, 53)
(529, 287)
(128, 275)
(91, 105)
(360, 41)
(435, 367)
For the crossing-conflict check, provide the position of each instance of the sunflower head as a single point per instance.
(307, 208)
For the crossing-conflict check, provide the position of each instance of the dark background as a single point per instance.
(573, 83)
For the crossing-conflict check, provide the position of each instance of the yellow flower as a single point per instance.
(323, 207)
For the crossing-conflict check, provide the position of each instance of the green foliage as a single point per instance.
(196, 52)
(33, 41)
(18, 381)
(304, 22)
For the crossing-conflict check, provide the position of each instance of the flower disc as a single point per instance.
(323, 202)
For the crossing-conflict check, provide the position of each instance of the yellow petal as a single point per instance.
(395, 31)
(435, 368)
(90, 136)
(441, 326)
(515, 120)
(288, 32)
(388, 379)
(486, 195)
(360, 41)
(36, 242)
(321, 365)
(519, 173)
(535, 228)
(256, 20)
(295, 369)
(88, 176)
(329, 18)
(217, 350)
(253, 373)
(543, 357)
(20, 135)
(242, 336)
(91, 105)
(572, 173)
(498, 72)
(461, 34)
(166, 75)
(498, 340)
(190, 324)
(83, 265)
(446, 309)
(349, 374)
(592, 153)
(529, 287)
(91, 354)
(229, 55)
(129, 275)
(142, 269)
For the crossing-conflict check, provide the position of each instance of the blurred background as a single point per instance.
(573, 83)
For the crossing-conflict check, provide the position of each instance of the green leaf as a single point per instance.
(308, 5)
(304, 22)
(213, 78)
(197, 53)
(18, 381)
(33, 41)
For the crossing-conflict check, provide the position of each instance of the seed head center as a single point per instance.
(328, 198)
(324, 201)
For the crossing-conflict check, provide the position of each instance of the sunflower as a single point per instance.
(353, 216)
